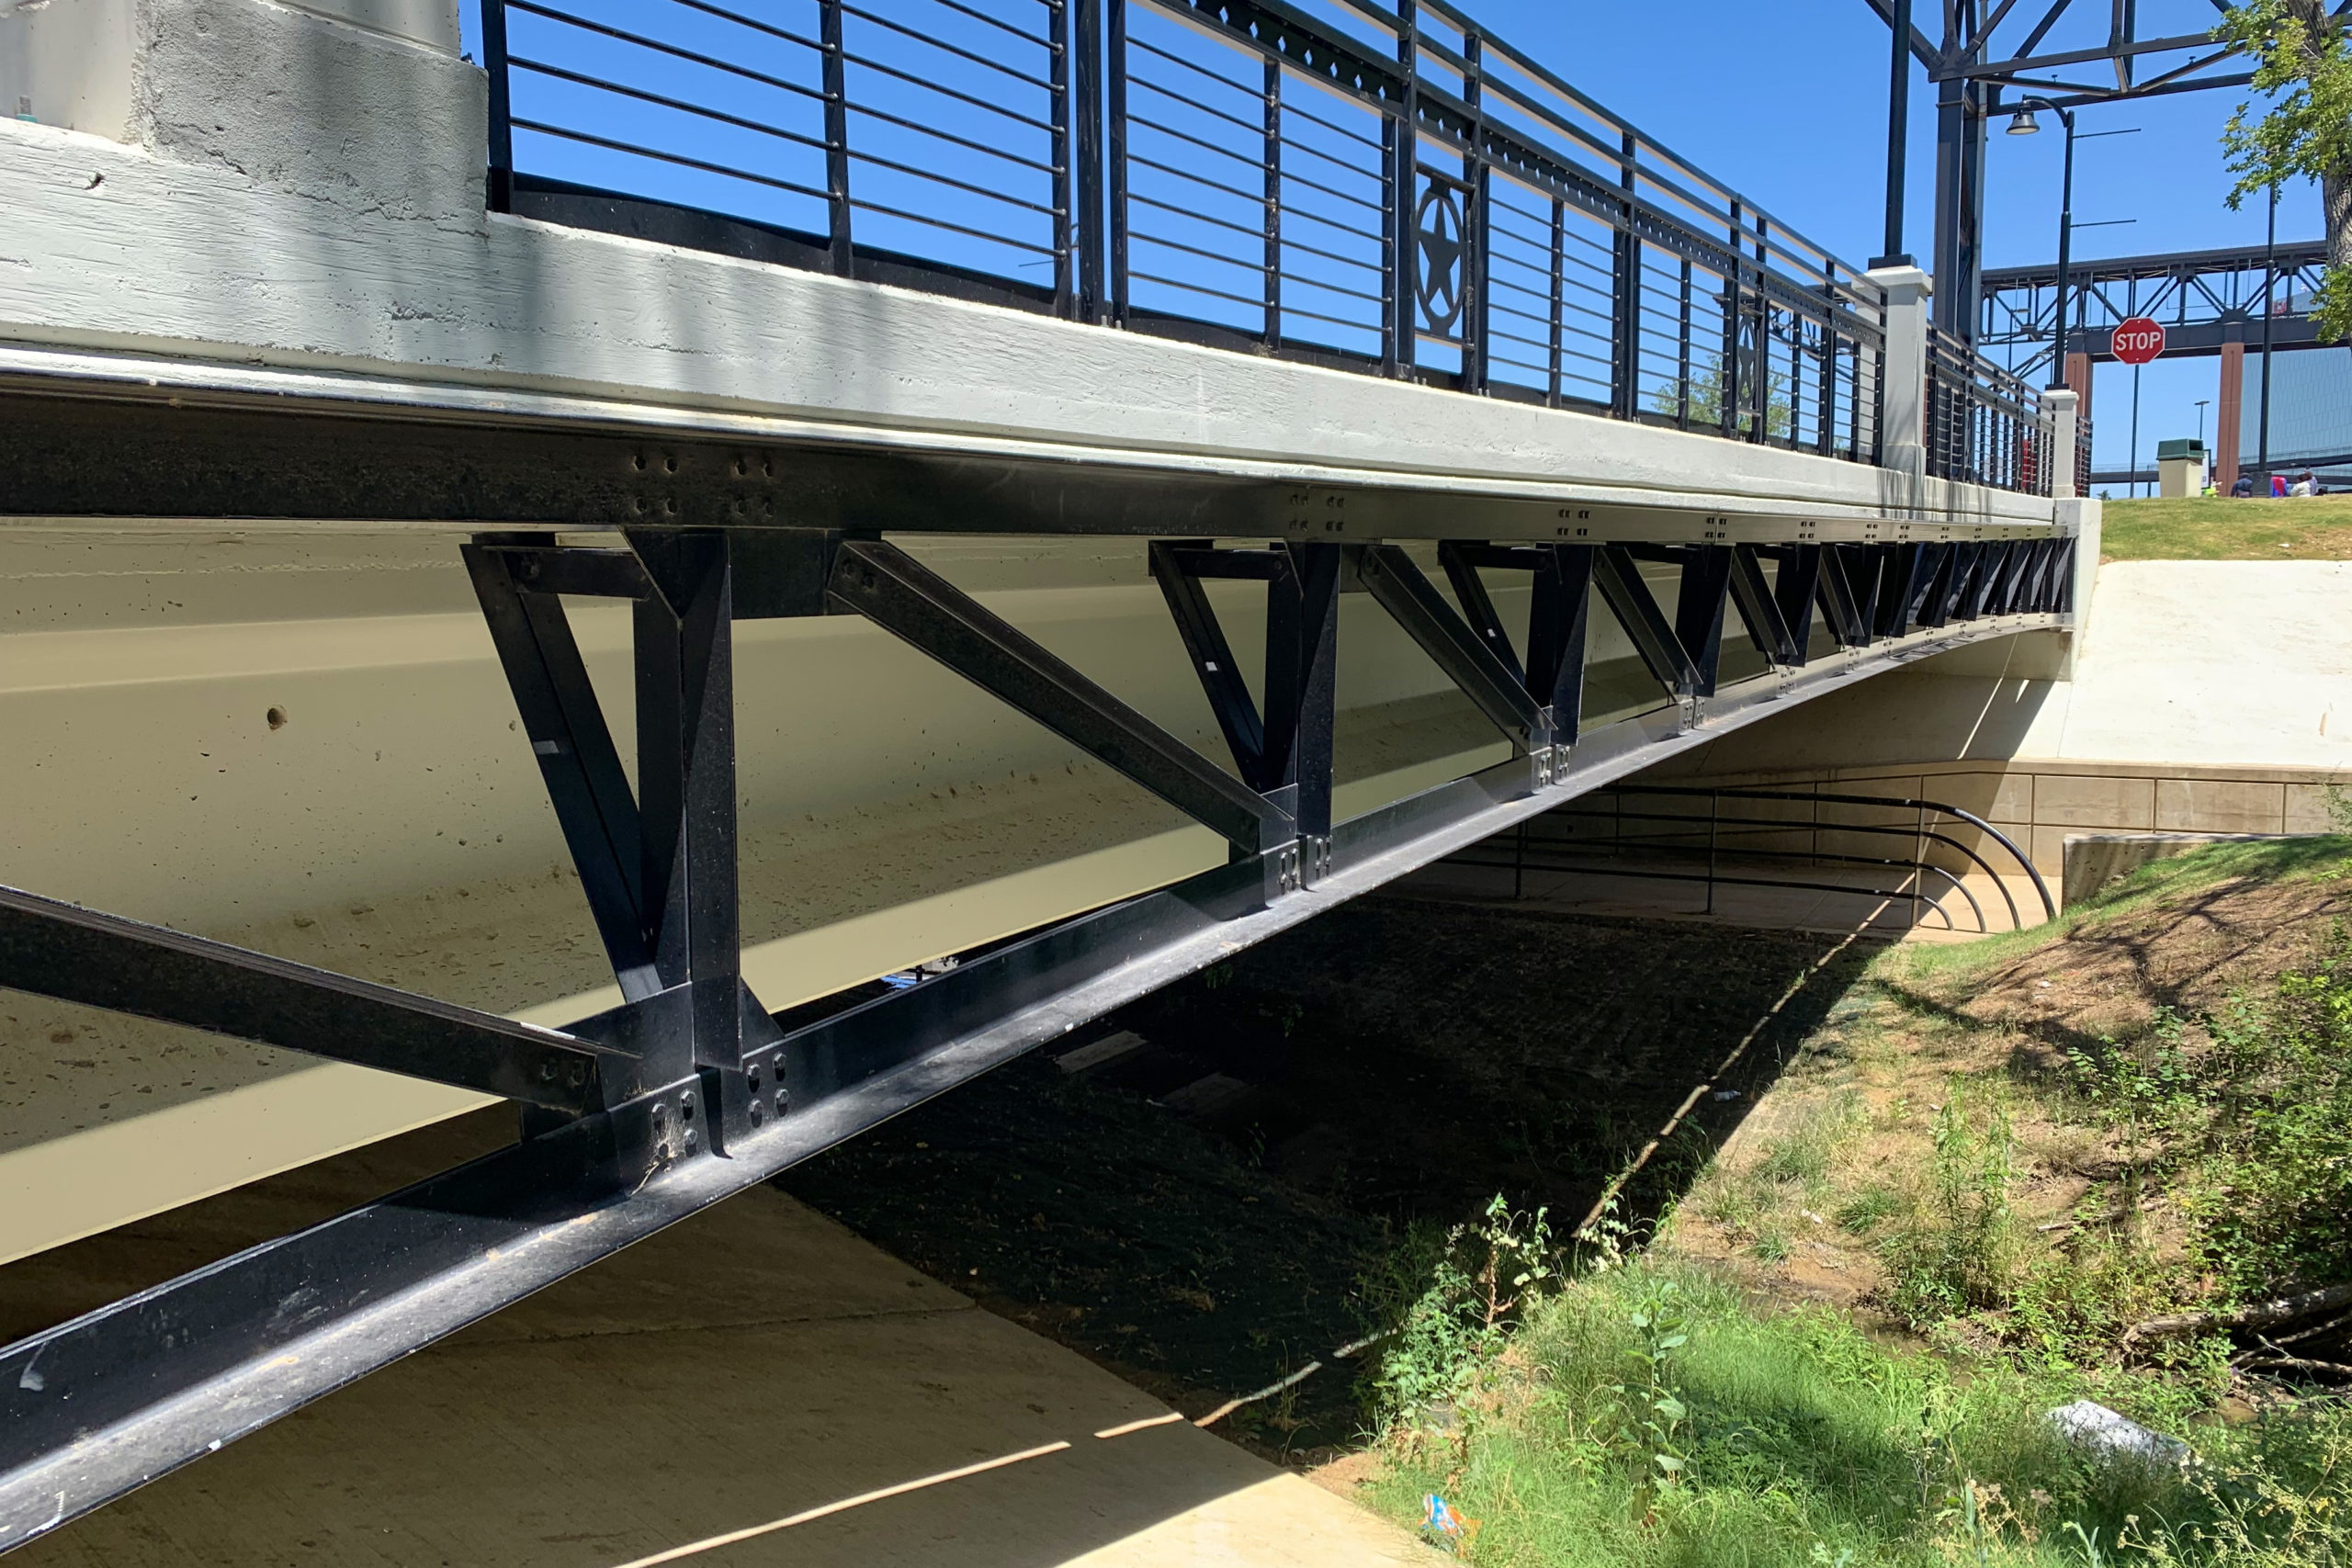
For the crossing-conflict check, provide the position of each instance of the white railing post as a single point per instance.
(2062, 403)
(1903, 424)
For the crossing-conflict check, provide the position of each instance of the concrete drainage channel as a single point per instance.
(1245, 1175)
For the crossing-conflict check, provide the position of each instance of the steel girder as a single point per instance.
(2205, 299)
(689, 1091)
(97, 436)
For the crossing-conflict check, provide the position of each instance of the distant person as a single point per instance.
(2243, 488)
(2277, 486)
(2302, 489)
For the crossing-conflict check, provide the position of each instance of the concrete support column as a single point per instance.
(1903, 423)
(364, 104)
(2064, 431)
(2231, 421)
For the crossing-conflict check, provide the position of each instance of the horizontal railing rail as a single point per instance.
(1927, 853)
(1378, 186)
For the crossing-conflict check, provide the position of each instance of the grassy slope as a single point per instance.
(2318, 528)
(1835, 1408)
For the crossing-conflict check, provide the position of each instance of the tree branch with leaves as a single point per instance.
(2302, 66)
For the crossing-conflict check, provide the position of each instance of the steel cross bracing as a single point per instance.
(689, 1091)
(2205, 299)
(1988, 47)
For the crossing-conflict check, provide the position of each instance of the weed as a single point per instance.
(1654, 1409)
(1875, 1203)
(1806, 1153)
(1954, 1250)
(1486, 1274)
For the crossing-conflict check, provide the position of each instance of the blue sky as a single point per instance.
(1786, 101)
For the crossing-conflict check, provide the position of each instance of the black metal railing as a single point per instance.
(1376, 185)
(1887, 851)
(1985, 425)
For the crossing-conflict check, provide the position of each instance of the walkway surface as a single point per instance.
(755, 1387)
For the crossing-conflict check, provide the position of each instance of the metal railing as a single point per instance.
(1376, 186)
(1922, 847)
(1987, 426)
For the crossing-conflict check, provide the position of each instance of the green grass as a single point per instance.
(1805, 1442)
(2220, 528)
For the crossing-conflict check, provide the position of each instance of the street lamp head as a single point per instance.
(2023, 123)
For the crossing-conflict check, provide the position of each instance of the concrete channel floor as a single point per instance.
(713, 1396)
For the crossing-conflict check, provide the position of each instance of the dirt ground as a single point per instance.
(1226, 1200)
(1873, 1076)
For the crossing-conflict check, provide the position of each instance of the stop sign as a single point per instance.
(2138, 339)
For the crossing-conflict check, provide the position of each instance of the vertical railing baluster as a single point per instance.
(1116, 83)
(1400, 132)
(500, 196)
(1625, 395)
(1559, 299)
(1062, 116)
(1476, 231)
(1761, 394)
(1825, 361)
(1087, 83)
(1274, 172)
(836, 85)
(1682, 365)
(1727, 404)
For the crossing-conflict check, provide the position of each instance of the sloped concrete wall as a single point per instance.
(2206, 696)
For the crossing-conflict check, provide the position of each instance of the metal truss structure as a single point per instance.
(1987, 47)
(690, 1090)
(2205, 299)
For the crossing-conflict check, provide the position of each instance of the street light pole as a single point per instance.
(2022, 124)
(2269, 277)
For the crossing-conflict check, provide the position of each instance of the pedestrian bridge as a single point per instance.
(549, 580)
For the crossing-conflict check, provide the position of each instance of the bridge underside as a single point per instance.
(691, 1090)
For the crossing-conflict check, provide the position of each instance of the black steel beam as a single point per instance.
(1178, 570)
(1759, 609)
(1844, 572)
(685, 779)
(80, 956)
(582, 769)
(1795, 588)
(1636, 609)
(914, 604)
(1392, 579)
(1559, 624)
(1302, 690)
(1461, 558)
(124, 445)
(1699, 609)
